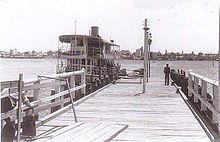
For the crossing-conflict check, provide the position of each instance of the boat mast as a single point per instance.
(75, 34)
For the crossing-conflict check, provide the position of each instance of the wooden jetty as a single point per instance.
(158, 115)
(115, 112)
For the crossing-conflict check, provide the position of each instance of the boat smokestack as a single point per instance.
(95, 31)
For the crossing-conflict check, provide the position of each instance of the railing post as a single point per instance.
(61, 88)
(36, 95)
(204, 94)
(20, 89)
(72, 84)
(190, 84)
(36, 91)
(216, 103)
(83, 81)
(53, 109)
(57, 90)
(196, 88)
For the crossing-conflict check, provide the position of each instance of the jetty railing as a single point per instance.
(66, 85)
(204, 91)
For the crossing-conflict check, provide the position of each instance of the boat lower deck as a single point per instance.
(160, 114)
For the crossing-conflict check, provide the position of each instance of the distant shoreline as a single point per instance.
(28, 57)
(115, 59)
(170, 60)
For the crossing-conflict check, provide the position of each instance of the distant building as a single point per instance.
(13, 52)
(4, 54)
(166, 52)
(139, 53)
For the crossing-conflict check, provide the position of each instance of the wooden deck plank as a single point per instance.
(111, 134)
(105, 133)
(158, 115)
(72, 133)
(57, 131)
(85, 132)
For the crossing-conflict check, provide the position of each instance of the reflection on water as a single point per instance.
(10, 68)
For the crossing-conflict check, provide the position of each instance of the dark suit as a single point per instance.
(167, 73)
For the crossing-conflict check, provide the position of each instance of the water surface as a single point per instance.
(10, 68)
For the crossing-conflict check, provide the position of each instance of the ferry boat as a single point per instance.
(91, 52)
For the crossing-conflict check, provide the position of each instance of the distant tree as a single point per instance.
(200, 54)
(173, 54)
(34, 53)
(50, 53)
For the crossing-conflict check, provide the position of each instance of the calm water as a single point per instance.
(10, 68)
(205, 68)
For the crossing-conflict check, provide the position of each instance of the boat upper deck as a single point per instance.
(120, 112)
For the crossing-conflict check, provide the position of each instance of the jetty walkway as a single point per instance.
(120, 112)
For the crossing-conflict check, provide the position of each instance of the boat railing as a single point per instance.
(68, 50)
(63, 86)
(204, 91)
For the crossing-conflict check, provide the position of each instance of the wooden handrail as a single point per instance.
(214, 107)
(208, 80)
(42, 104)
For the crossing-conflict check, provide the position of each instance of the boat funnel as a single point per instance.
(95, 31)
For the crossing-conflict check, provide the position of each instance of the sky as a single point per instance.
(176, 25)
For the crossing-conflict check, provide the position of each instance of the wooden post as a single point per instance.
(72, 85)
(149, 59)
(190, 84)
(217, 99)
(62, 88)
(57, 90)
(204, 94)
(196, 88)
(145, 56)
(83, 81)
(36, 91)
(216, 104)
(53, 109)
(36, 95)
(217, 95)
(71, 99)
(20, 89)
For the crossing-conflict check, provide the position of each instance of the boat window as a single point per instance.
(77, 52)
(74, 68)
(83, 61)
(68, 61)
(93, 62)
(80, 42)
(88, 69)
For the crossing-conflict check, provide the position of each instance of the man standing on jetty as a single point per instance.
(167, 74)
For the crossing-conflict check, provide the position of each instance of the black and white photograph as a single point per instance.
(110, 70)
